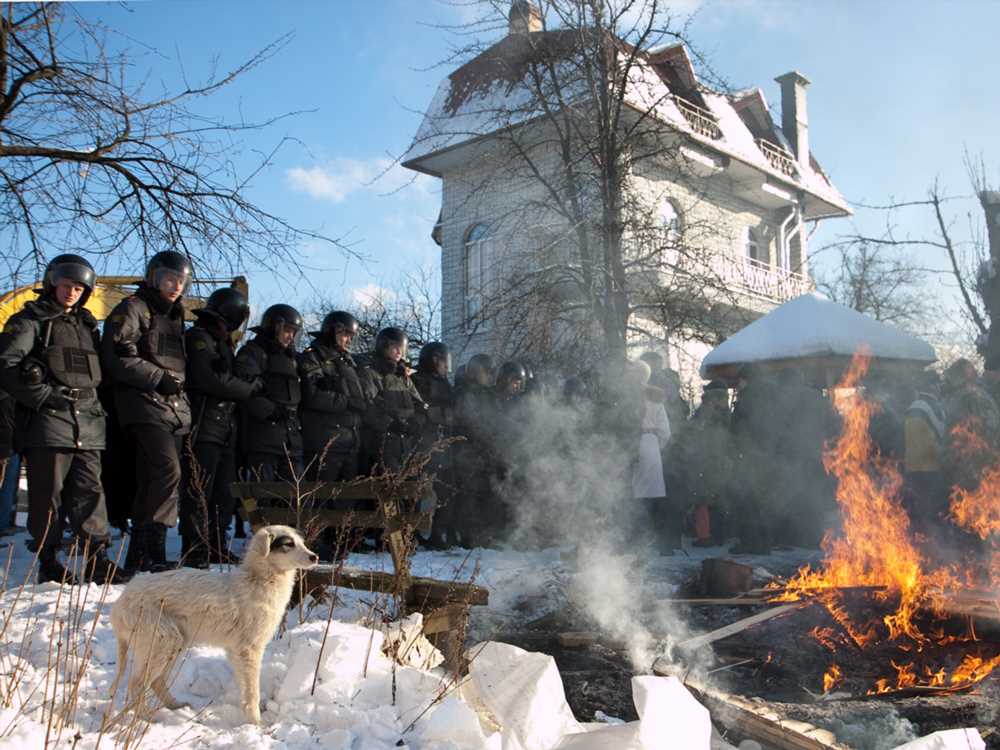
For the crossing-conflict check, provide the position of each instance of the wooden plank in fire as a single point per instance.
(752, 721)
(699, 641)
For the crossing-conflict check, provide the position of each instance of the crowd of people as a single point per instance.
(146, 423)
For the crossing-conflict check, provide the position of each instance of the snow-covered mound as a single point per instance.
(813, 326)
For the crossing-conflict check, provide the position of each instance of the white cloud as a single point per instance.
(340, 178)
(365, 295)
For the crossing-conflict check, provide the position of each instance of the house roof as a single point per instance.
(496, 90)
(813, 327)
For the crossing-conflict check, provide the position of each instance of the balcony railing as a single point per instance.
(762, 279)
(700, 119)
(778, 157)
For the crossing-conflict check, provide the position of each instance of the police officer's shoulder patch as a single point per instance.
(200, 344)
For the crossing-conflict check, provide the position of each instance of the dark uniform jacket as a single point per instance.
(395, 419)
(213, 385)
(336, 394)
(271, 419)
(144, 340)
(64, 346)
(437, 393)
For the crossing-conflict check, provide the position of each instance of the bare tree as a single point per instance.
(878, 276)
(583, 255)
(876, 280)
(95, 162)
(411, 303)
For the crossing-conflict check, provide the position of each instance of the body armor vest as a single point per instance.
(163, 344)
(281, 379)
(70, 357)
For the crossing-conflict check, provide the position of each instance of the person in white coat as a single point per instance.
(648, 486)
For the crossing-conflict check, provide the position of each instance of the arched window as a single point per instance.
(671, 220)
(477, 265)
(754, 246)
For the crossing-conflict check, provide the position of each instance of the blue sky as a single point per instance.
(899, 91)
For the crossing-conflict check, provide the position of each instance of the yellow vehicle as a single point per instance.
(111, 290)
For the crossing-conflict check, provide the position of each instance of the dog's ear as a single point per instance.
(261, 543)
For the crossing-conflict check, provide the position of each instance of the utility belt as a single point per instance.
(76, 394)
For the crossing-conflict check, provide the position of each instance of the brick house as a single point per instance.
(737, 185)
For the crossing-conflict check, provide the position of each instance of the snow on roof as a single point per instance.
(813, 326)
(493, 91)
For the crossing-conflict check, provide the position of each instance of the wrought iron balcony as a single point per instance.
(779, 158)
(700, 119)
(762, 279)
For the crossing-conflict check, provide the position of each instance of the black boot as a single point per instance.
(157, 548)
(50, 569)
(137, 557)
(194, 553)
(100, 569)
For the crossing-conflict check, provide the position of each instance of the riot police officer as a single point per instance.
(335, 396)
(431, 380)
(475, 413)
(207, 504)
(49, 364)
(394, 420)
(272, 432)
(142, 352)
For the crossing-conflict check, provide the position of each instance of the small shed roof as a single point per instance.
(814, 328)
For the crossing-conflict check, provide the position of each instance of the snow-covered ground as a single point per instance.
(362, 699)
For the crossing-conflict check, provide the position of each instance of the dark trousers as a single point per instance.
(207, 502)
(271, 467)
(157, 474)
(332, 467)
(61, 478)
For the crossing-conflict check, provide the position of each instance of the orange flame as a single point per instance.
(977, 509)
(875, 549)
(832, 678)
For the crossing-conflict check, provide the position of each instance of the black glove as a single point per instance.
(168, 385)
(258, 386)
(32, 373)
(57, 401)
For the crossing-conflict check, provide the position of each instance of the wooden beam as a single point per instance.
(359, 489)
(698, 641)
(749, 720)
(422, 592)
(355, 519)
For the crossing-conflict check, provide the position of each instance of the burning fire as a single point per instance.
(875, 553)
(977, 509)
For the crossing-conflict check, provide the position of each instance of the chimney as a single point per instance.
(524, 17)
(794, 119)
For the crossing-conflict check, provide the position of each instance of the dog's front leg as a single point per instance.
(246, 663)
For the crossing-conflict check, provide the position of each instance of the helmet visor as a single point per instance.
(172, 279)
(76, 272)
(287, 334)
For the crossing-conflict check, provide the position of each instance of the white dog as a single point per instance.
(160, 615)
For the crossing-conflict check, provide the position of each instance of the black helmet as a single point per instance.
(72, 267)
(391, 335)
(511, 371)
(480, 364)
(230, 305)
(278, 315)
(336, 321)
(169, 262)
(430, 352)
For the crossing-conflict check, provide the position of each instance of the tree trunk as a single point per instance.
(990, 201)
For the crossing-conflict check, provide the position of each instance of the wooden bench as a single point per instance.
(443, 604)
